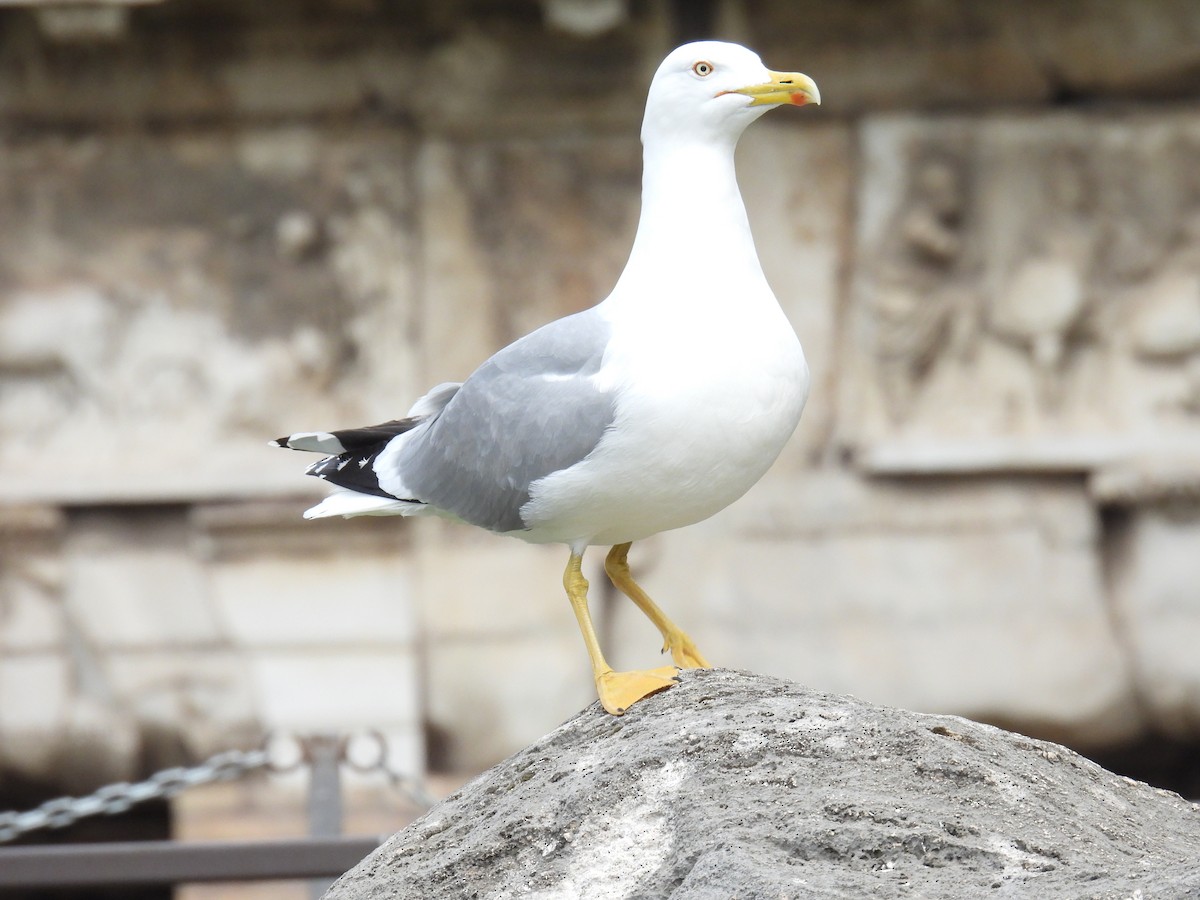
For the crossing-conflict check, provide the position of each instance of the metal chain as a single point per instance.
(412, 788)
(113, 799)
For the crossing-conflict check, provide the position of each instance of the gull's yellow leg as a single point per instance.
(617, 690)
(683, 651)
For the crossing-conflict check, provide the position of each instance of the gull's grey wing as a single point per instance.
(530, 410)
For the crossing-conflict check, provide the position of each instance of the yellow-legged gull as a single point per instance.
(652, 410)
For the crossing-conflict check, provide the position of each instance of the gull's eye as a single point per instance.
(703, 68)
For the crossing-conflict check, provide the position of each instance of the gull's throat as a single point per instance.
(692, 210)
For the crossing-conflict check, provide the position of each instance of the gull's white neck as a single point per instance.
(693, 228)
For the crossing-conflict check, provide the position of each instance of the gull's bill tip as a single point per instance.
(795, 88)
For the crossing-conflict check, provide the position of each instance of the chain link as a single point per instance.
(114, 799)
(410, 787)
(401, 782)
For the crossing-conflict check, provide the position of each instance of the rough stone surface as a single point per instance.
(735, 785)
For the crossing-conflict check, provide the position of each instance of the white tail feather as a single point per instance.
(351, 503)
(312, 441)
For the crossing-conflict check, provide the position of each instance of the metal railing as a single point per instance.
(325, 853)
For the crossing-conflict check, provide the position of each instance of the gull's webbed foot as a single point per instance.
(620, 690)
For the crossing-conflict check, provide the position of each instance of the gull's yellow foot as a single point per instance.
(684, 652)
(620, 690)
(675, 642)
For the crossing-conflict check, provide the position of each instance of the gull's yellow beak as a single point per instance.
(784, 87)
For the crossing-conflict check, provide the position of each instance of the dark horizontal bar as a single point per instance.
(178, 862)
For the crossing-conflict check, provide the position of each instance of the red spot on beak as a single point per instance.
(798, 99)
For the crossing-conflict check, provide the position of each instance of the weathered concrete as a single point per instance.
(736, 785)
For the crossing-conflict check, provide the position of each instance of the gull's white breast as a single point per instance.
(706, 397)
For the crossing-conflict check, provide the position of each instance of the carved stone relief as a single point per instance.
(1026, 293)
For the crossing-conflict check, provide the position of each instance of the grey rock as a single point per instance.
(733, 785)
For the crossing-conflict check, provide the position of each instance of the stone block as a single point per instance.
(349, 600)
(900, 55)
(31, 609)
(1026, 295)
(486, 698)
(32, 618)
(351, 61)
(59, 730)
(1156, 598)
(916, 54)
(188, 704)
(341, 690)
(797, 182)
(518, 73)
(35, 694)
(1120, 49)
(517, 233)
(253, 529)
(977, 598)
(480, 586)
(131, 582)
(271, 62)
(152, 344)
(264, 62)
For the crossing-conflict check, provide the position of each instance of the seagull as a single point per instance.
(650, 411)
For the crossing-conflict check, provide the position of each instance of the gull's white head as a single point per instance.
(711, 90)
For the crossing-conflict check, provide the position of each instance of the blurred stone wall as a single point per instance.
(224, 221)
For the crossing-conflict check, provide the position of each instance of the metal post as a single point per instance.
(324, 753)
